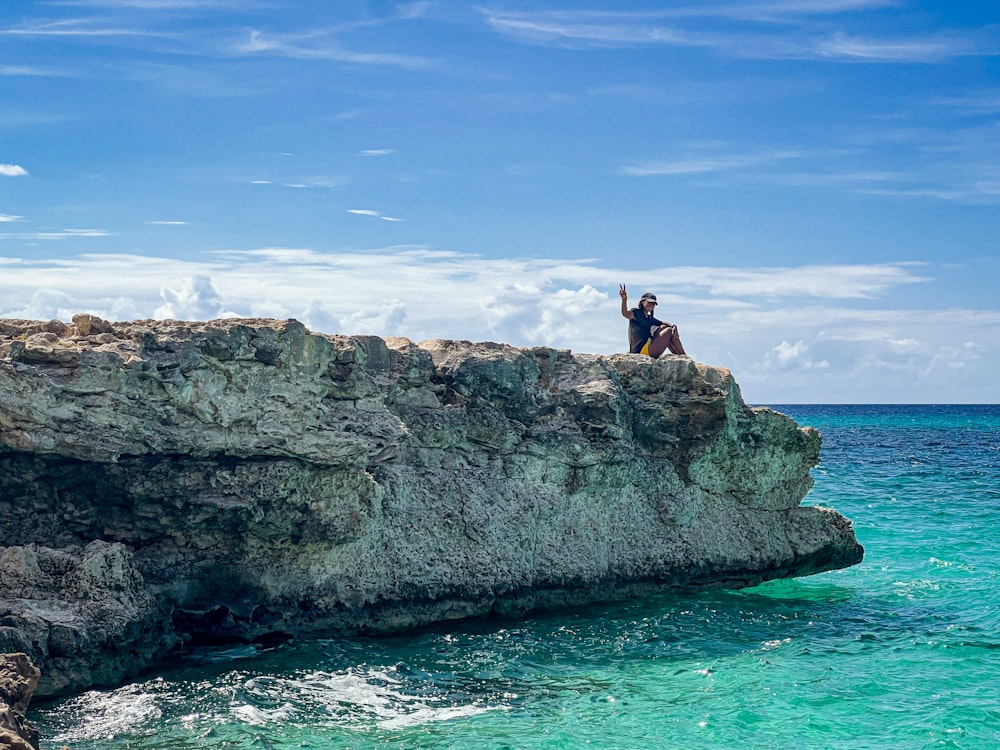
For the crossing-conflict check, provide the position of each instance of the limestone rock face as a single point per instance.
(18, 679)
(243, 479)
(83, 612)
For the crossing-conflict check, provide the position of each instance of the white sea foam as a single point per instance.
(358, 698)
(109, 714)
(257, 716)
(427, 714)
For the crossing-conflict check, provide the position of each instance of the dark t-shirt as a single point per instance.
(640, 329)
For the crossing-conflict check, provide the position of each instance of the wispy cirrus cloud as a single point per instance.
(56, 235)
(945, 162)
(319, 45)
(782, 31)
(15, 118)
(33, 70)
(970, 103)
(161, 4)
(588, 28)
(375, 152)
(764, 11)
(846, 281)
(784, 11)
(326, 43)
(985, 192)
(10, 217)
(214, 80)
(75, 27)
(954, 161)
(703, 164)
(140, 18)
(609, 24)
(322, 181)
(927, 48)
(369, 212)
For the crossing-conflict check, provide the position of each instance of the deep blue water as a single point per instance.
(901, 651)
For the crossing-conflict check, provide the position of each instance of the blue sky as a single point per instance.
(810, 186)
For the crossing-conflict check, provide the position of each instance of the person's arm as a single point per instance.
(660, 327)
(626, 313)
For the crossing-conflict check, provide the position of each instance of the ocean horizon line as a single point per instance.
(873, 403)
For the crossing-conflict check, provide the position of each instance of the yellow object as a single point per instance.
(645, 347)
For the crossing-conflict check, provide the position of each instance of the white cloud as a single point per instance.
(167, 223)
(45, 304)
(369, 212)
(10, 217)
(314, 45)
(918, 49)
(197, 299)
(72, 28)
(708, 163)
(839, 281)
(315, 182)
(383, 318)
(781, 11)
(159, 4)
(788, 356)
(765, 11)
(12, 170)
(786, 353)
(317, 317)
(785, 34)
(375, 152)
(583, 28)
(29, 70)
(979, 102)
(60, 235)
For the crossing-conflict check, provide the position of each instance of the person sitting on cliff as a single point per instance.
(647, 334)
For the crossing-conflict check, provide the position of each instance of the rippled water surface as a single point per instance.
(902, 651)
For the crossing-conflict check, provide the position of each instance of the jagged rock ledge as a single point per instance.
(240, 479)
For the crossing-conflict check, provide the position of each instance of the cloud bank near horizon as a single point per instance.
(782, 331)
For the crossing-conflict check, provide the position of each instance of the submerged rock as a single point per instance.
(241, 479)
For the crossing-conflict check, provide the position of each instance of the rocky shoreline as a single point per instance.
(164, 482)
(18, 679)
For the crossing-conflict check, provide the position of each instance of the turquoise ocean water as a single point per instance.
(901, 651)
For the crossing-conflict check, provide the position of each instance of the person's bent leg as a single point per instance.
(674, 343)
(666, 338)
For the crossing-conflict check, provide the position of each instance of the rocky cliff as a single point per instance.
(242, 479)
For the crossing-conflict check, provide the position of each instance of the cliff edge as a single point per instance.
(240, 479)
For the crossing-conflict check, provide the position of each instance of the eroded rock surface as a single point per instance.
(18, 679)
(240, 479)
